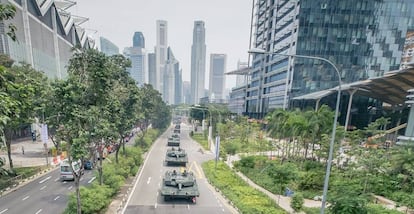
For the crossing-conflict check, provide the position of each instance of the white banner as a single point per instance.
(43, 134)
(217, 147)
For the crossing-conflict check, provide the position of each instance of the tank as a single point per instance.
(176, 157)
(173, 141)
(179, 185)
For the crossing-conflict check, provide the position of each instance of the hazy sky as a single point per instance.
(227, 25)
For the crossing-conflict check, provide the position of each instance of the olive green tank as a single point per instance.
(176, 157)
(177, 185)
(173, 141)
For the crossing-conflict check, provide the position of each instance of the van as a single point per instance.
(66, 172)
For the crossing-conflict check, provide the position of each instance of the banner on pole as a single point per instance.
(44, 134)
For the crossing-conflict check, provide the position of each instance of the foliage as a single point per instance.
(7, 12)
(297, 201)
(246, 198)
(145, 142)
(96, 198)
(376, 208)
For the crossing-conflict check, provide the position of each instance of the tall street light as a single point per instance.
(338, 99)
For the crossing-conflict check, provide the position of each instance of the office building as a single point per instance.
(186, 92)
(241, 79)
(138, 58)
(217, 79)
(46, 34)
(138, 40)
(151, 69)
(172, 80)
(198, 62)
(363, 38)
(107, 47)
(161, 49)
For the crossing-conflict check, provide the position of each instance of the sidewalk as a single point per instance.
(282, 201)
(34, 153)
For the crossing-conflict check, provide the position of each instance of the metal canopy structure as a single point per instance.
(391, 88)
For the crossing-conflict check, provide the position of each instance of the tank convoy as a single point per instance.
(176, 157)
(179, 185)
(173, 141)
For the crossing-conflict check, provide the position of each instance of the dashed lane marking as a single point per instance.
(40, 182)
(3, 211)
(149, 180)
(43, 187)
(57, 197)
(93, 178)
(23, 199)
(38, 211)
(69, 188)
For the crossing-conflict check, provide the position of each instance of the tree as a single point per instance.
(22, 95)
(7, 12)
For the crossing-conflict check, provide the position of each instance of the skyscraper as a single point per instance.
(172, 80)
(137, 55)
(198, 62)
(363, 38)
(161, 54)
(138, 40)
(217, 80)
(107, 47)
(186, 92)
(151, 69)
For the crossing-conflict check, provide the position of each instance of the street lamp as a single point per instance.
(338, 99)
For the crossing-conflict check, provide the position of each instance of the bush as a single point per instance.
(297, 202)
(93, 199)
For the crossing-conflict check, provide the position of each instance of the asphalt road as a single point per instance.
(145, 197)
(46, 194)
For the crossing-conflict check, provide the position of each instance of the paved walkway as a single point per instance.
(282, 201)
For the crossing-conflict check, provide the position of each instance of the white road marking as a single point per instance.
(57, 179)
(64, 182)
(56, 198)
(70, 187)
(38, 211)
(93, 178)
(149, 180)
(223, 210)
(3, 211)
(159, 185)
(155, 206)
(43, 187)
(25, 198)
(40, 182)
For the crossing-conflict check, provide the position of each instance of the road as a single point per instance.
(145, 197)
(46, 194)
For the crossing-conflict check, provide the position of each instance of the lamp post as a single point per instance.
(338, 99)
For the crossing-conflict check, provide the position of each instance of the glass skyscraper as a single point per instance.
(107, 47)
(198, 62)
(217, 79)
(138, 40)
(363, 38)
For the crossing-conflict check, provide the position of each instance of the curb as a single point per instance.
(25, 181)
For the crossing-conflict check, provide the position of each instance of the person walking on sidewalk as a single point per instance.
(23, 150)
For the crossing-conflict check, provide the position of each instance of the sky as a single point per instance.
(227, 24)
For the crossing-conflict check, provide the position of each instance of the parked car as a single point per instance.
(88, 165)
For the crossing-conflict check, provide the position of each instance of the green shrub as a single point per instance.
(246, 198)
(376, 208)
(93, 199)
(297, 201)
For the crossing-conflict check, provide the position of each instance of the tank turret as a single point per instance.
(179, 185)
(176, 157)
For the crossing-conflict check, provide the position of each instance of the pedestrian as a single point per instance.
(22, 149)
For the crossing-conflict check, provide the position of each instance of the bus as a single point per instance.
(66, 172)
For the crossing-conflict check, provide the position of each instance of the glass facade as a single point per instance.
(363, 38)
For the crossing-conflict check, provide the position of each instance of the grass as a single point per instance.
(201, 139)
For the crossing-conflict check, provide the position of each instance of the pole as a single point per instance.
(338, 100)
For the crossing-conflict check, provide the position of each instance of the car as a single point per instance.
(88, 165)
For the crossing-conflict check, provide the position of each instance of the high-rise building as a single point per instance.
(217, 79)
(137, 55)
(241, 79)
(172, 80)
(138, 69)
(363, 38)
(161, 49)
(198, 62)
(107, 47)
(186, 92)
(138, 40)
(151, 69)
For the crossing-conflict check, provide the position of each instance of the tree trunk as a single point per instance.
(8, 145)
(100, 171)
(117, 151)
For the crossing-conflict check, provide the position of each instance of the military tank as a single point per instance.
(176, 157)
(173, 141)
(177, 185)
